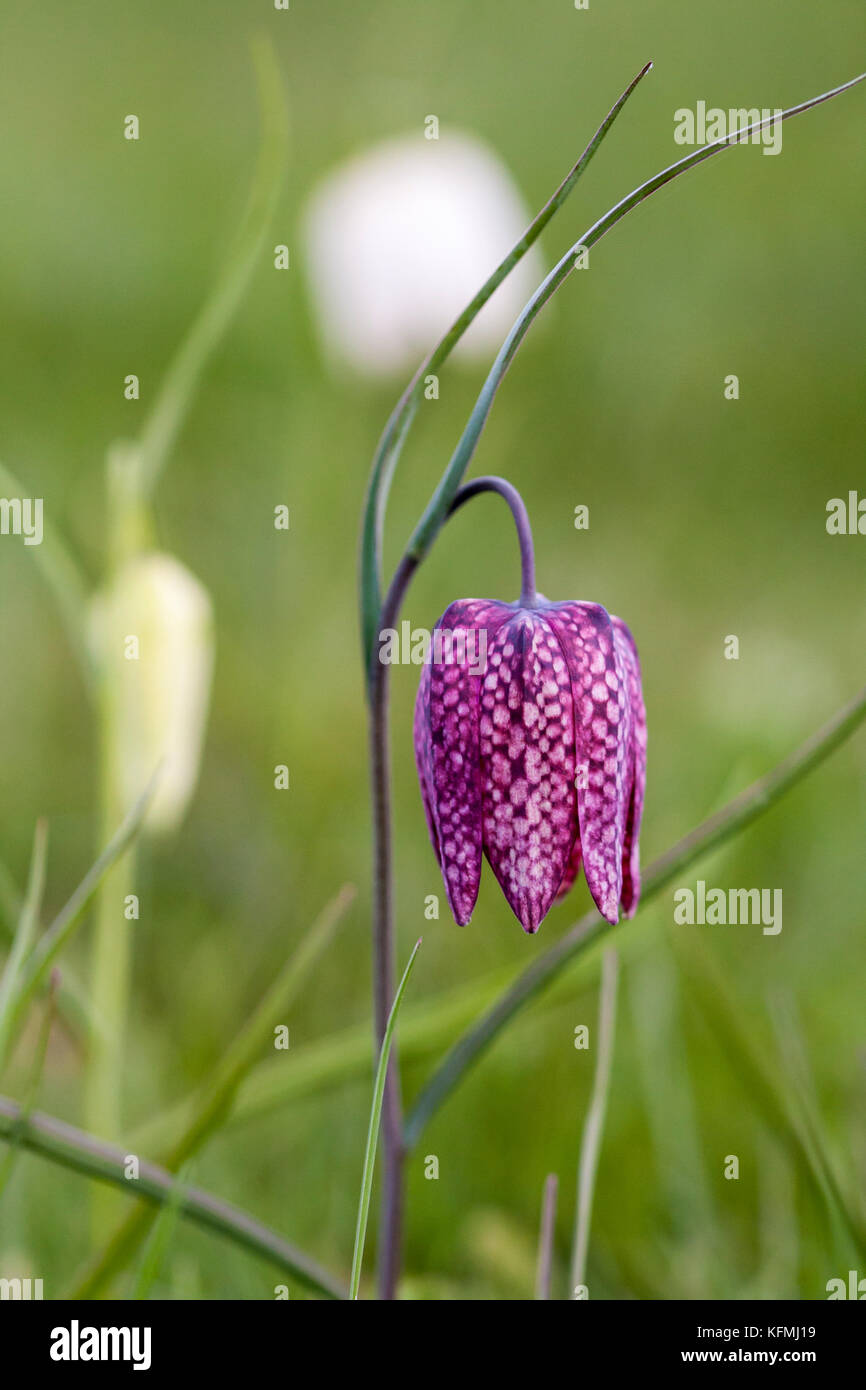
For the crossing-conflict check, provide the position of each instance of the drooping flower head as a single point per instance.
(530, 742)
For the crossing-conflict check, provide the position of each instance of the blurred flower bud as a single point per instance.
(154, 634)
(399, 240)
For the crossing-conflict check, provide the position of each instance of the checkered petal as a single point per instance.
(625, 644)
(527, 764)
(447, 745)
(603, 744)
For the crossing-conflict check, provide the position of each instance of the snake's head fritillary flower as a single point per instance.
(530, 741)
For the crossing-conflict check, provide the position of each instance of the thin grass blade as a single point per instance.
(373, 1130)
(32, 1095)
(154, 1253)
(23, 940)
(544, 1266)
(590, 1144)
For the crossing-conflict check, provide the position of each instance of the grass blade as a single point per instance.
(160, 1238)
(8, 1164)
(544, 1267)
(22, 941)
(590, 1144)
(373, 1131)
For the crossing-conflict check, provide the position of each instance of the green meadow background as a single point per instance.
(707, 518)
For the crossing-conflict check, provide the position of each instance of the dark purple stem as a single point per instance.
(384, 958)
(528, 597)
(384, 962)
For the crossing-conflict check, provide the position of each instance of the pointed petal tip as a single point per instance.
(609, 910)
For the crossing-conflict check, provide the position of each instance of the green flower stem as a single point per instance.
(590, 1145)
(732, 819)
(517, 507)
(72, 1148)
(373, 1131)
(214, 1101)
(391, 444)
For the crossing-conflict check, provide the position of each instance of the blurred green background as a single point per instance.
(707, 519)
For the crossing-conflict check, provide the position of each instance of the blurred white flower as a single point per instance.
(154, 635)
(399, 239)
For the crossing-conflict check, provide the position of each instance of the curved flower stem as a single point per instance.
(528, 597)
(72, 1148)
(384, 976)
(734, 817)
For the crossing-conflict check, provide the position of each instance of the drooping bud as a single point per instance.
(153, 634)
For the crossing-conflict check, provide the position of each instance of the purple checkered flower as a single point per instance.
(535, 756)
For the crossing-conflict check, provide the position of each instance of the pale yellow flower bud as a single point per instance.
(153, 631)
